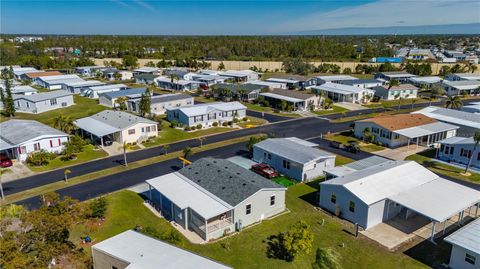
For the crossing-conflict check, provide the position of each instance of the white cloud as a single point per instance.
(390, 13)
(144, 5)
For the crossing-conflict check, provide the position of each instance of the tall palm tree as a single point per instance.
(393, 83)
(476, 140)
(121, 102)
(453, 102)
(413, 101)
(174, 78)
(64, 123)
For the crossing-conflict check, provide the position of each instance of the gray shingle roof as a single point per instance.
(226, 180)
(119, 119)
(15, 132)
(38, 97)
(292, 150)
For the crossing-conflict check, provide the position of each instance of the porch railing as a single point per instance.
(219, 224)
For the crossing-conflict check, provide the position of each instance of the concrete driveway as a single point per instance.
(400, 153)
(350, 106)
(17, 171)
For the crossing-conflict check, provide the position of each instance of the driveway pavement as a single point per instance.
(17, 170)
(400, 153)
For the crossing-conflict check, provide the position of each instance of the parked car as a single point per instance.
(264, 170)
(350, 147)
(107, 141)
(5, 161)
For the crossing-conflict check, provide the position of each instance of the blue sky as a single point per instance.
(225, 17)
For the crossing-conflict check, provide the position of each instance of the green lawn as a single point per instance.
(335, 109)
(83, 107)
(88, 154)
(284, 181)
(346, 138)
(248, 248)
(341, 160)
(425, 159)
(169, 135)
(252, 121)
(394, 103)
(266, 109)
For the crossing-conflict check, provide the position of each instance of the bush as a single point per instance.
(171, 237)
(173, 124)
(193, 128)
(186, 128)
(215, 124)
(199, 126)
(40, 158)
(97, 208)
(245, 119)
(230, 123)
(225, 124)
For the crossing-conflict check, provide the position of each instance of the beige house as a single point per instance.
(122, 127)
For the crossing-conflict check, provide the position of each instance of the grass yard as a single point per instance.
(341, 160)
(284, 181)
(83, 107)
(169, 135)
(252, 121)
(426, 159)
(89, 153)
(248, 248)
(394, 103)
(346, 138)
(335, 109)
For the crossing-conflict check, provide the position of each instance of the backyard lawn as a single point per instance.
(426, 159)
(346, 138)
(284, 181)
(248, 249)
(169, 135)
(83, 107)
(89, 153)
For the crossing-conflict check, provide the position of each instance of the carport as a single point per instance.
(427, 134)
(91, 127)
(296, 103)
(438, 200)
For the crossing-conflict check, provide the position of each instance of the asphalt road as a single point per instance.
(305, 128)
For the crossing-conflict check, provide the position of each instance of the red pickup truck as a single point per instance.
(264, 170)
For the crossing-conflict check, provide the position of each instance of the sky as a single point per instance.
(144, 17)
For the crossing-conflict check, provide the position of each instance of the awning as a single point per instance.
(438, 199)
(281, 97)
(428, 129)
(184, 194)
(5, 145)
(95, 127)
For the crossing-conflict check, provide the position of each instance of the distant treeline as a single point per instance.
(279, 48)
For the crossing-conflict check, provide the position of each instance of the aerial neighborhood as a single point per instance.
(139, 161)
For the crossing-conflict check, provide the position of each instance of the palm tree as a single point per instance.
(166, 148)
(64, 123)
(174, 78)
(125, 147)
(121, 102)
(399, 102)
(187, 151)
(413, 101)
(201, 140)
(240, 94)
(453, 102)
(393, 83)
(476, 140)
(65, 174)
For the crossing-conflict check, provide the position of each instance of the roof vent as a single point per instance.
(223, 188)
(218, 171)
(196, 173)
(230, 177)
(244, 184)
(199, 180)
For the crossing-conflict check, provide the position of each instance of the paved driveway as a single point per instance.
(18, 170)
(351, 106)
(401, 153)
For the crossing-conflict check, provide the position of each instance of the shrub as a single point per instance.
(193, 128)
(40, 158)
(245, 119)
(225, 124)
(97, 208)
(186, 128)
(199, 126)
(230, 123)
(215, 124)
(173, 124)
(235, 120)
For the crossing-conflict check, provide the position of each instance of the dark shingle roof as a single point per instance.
(236, 87)
(226, 180)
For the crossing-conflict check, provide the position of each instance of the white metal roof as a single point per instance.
(467, 76)
(185, 194)
(95, 127)
(339, 88)
(457, 140)
(266, 83)
(144, 252)
(438, 199)
(452, 116)
(336, 78)
(427, 129)
(282, 80)
(107, 87)
(356, 166)
(281, 97)
(83, 83)
(468, 237)
(202, 109)
(384, 180)
(463, 84)
(49, 79)
(147, 69)
(431, 79)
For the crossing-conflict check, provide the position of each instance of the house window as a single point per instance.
(248, 209)
(470, 258)
(286, 164)
(269, 156)
(53, 102)
(478, 157)
(154, 128)
(26, 103)
(22, 149)
(143, 129)
(397, 136)
(51, 143)
(131, 131)
(147, 129)
(333, 198)
(351, 206)
(451, 150)
(36, 146)
(272, 200)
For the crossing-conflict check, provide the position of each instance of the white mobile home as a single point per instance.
(95, 91)
(468, 87)
(459, 150)
(468, 122)
(293, 157)
(42, 102)
(405, 91)
(344, 93)
(465, 252)
(206, 114)
(56, 82)
(160, 103)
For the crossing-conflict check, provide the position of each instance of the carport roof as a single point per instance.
(186, 194)
(95, 127)
(467, 237)
(438, 199)
(427, 129)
